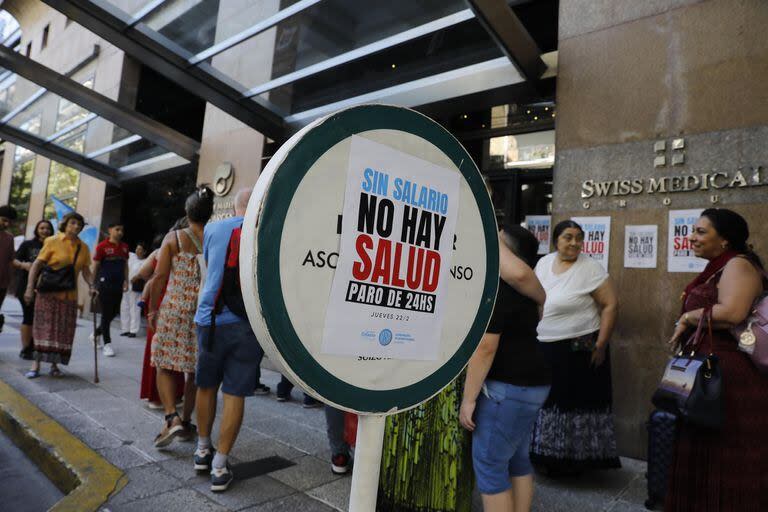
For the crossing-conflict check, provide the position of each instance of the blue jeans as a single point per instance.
(334, 423)
(504, 420)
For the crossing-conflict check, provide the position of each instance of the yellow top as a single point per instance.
(59, 252)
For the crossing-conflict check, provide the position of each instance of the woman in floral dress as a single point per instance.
(174, 347)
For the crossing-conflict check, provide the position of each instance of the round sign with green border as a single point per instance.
(291, 249)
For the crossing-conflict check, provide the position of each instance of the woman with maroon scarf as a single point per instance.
(726, 469)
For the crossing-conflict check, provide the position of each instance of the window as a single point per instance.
(69, 112)
(63, 181)
(64, 184)
(21, 179)
(46, 31)
(6, 98)
(529, 150)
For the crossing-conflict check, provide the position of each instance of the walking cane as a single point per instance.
(95, 342)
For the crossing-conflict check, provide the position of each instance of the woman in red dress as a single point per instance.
(148, 390)
(727, 469)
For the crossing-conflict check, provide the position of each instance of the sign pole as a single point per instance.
(365, 474)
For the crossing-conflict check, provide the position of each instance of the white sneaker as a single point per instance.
(108, 350)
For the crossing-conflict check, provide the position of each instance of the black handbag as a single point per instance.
(692, 385)
(138, 285)
(59, 280)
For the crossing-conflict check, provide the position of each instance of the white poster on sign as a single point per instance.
(541, 227)
(597, 238)
(641, 246)
(680, 257)
(394, 260)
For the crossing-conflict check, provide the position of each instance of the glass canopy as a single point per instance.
(41, 121)
(293, 56)
(277, 64)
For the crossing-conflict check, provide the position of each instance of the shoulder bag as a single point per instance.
(59, 280)
(692, 385)
(752, 333)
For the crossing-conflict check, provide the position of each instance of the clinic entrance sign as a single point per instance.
(369, 266)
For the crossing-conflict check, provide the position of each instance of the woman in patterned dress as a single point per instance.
(174, 347)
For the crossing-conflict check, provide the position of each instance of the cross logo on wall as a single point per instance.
(678, 152)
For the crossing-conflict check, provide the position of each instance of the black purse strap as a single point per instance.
(77, 253)
(695, 340)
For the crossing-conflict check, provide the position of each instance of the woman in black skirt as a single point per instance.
(575, 431)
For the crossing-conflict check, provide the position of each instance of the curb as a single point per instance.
(84, 476)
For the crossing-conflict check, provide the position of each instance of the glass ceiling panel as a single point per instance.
(196, 25)
(291, 55)
(66, 124)
(314, 32)
(61, 122)
(455, 47)
(56, 120)
(329, 29)
(130, 151)
(60, 118)
(8, 25)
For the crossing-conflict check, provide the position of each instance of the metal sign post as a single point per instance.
(365, 477)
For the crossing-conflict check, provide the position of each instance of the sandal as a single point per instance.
(55, 372)
(170, 431)
(32, 374)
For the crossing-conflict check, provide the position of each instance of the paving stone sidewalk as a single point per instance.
(111, 419)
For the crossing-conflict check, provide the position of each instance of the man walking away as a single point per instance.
(111, 271)
(228, 353)
(7, 215)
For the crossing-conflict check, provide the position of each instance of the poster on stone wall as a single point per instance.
(597, 238)
(641, 246)
(680, 253)
(541, 227)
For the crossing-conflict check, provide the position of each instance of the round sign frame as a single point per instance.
(273, 194)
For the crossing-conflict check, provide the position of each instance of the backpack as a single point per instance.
(230, 294)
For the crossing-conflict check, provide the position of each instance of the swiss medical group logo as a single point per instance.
(385, 337)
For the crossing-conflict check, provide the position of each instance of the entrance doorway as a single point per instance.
(520, 193)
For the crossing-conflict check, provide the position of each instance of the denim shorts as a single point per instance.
(504, 419)
(233, 360)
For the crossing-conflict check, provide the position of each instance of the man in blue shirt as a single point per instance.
(230, 358)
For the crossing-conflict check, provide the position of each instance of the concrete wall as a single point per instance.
(632, 73)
